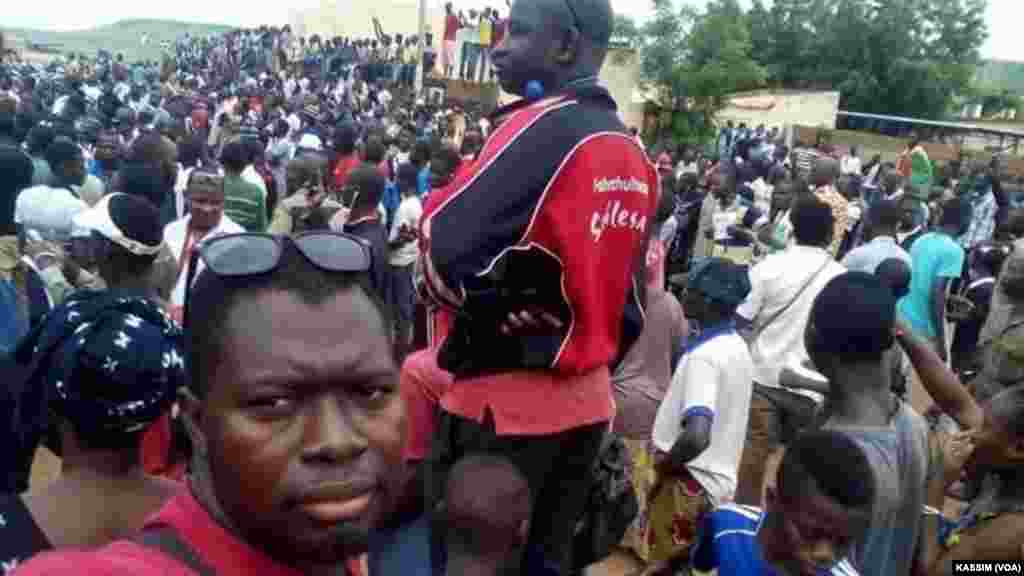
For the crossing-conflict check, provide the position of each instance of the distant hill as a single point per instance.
(1002, 75)
(122, 36)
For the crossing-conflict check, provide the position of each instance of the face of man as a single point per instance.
(807, 536)
(531, 48)
(304, 425)
(206, 201)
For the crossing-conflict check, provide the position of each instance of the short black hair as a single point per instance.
(956, 213)
(488, 500)
(896, 274)
(345, 138)
(374, 150)
(812, 222)
(234, 157)
(369, 183)
(214, 297)
(139, 179)
(831, 463)
(61, 151)
(885, 214)
(853, 317)
(39, 139)
(407, 177)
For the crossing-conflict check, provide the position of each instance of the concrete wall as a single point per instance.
(783, 109)
(354, 18)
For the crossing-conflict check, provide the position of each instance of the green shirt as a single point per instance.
(245, 204)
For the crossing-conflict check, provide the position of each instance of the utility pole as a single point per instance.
(421, 46)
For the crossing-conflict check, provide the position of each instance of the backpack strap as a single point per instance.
(166, 540)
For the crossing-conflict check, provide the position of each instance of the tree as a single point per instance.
(719, 62)
(625, 31)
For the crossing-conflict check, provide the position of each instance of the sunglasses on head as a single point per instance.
(252, 254)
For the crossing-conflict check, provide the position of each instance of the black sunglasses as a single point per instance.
(252, 253)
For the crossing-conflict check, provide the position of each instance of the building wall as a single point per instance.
(783, 109)
(354, 18)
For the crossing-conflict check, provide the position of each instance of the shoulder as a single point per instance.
(734, 518)
(229, 226)
(121, 558)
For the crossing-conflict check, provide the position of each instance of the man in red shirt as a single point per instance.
(451, 27)
(296, 422)
(539, 246)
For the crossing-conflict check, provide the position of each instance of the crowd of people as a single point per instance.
(278, 313)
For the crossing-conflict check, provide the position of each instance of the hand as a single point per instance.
(956, 451)
(525, 322)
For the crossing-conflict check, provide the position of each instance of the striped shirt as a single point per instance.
(245, 203)
(727, 542)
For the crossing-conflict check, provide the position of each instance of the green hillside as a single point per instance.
(122, 36)
(1002, 75)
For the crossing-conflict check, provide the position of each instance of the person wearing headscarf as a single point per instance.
(99, 370)
(701, 425)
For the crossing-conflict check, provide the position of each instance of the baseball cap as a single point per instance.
(128, 221)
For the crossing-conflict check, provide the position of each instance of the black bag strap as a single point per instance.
(166, 539)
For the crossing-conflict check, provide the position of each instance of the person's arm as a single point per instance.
(747, 312)
(939, 381)
(789, 378)
(694, 438)
(700, 377)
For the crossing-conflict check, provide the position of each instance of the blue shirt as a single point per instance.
(727, 541)
(933, 256)
(423, 181)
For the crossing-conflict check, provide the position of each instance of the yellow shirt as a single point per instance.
(486, 28)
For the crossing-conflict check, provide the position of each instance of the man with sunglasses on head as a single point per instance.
(539, 247)
(293, 411)
(204, 194)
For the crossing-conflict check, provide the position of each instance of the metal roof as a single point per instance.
(963, 126)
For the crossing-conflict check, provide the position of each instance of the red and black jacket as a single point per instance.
(554, 214)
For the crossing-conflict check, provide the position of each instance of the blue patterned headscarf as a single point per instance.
(720, 280)
(108, 362)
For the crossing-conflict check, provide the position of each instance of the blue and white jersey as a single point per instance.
(727, 542)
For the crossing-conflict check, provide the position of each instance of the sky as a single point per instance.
(1003, 15)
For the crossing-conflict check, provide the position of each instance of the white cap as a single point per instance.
(310, 142)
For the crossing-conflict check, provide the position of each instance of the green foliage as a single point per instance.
(900, 57)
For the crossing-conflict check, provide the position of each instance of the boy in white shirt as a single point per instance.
(701, 424)
(404, 252)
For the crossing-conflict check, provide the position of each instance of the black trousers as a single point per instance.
(557, 468)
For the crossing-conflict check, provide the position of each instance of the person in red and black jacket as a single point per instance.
(538, 249)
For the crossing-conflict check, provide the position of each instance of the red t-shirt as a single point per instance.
(216, 547)
(344, 167)
(451, 26)
(422, 383)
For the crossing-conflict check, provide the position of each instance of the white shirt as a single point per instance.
(48, 210)
(408, 214)
(174, 236)
(773, 284)
(717, 376)
(850, 165)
